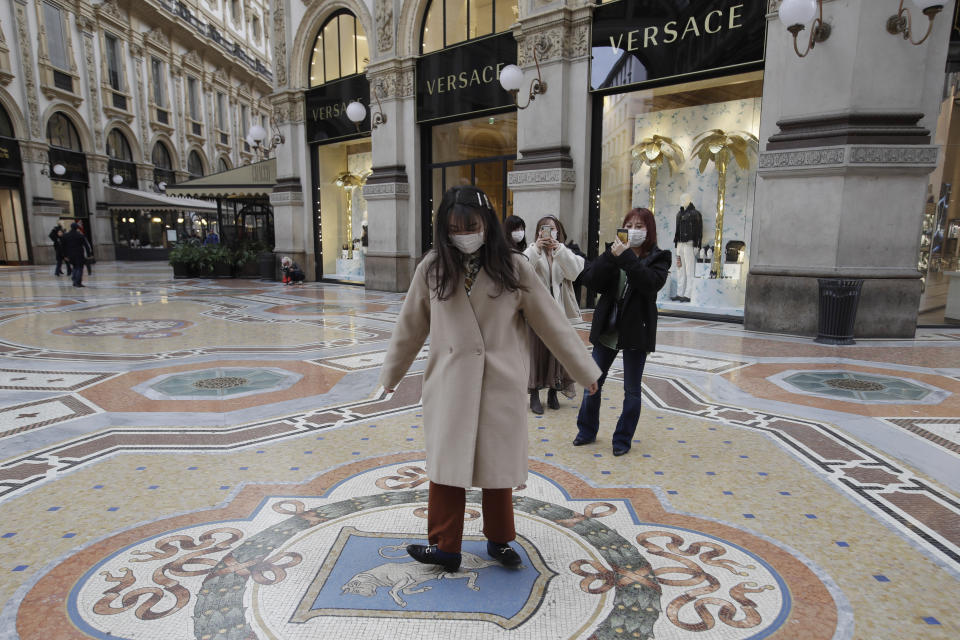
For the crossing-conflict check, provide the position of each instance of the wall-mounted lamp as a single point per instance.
(902, 22)
(356, 112)
(161, 186)
(257, 137)
(796, 14)
(511, 79)
(58, 170)
(116, 179)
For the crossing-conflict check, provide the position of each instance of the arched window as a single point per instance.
(161, 157)
(222, 165)
(194, 165)
(339, 50)
(121, 160)
(447, 22)
(6, 126)
(61, 133)
(162, 165)
(117, 146)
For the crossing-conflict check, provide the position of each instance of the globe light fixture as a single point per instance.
(59, 169)
(902, 23)
(117, 179)
(796, 14)
(162, 186)
(257, 137)
(356, 112)
(511, 79)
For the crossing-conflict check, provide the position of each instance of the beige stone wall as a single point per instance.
(224, 46)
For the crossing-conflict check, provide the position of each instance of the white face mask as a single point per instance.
(467, 242)
(636, 237)
(518, 235)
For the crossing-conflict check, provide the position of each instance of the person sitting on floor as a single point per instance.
(292, 273)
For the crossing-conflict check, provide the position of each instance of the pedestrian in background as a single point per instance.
(76, 248)
(55, 235)
(557, 267)
(474, 296)
(628, 276)
(516, 231)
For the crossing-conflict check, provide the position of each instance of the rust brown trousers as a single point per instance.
(446, 507)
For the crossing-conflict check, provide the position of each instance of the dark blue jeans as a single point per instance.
(588, 420)
(77, 272)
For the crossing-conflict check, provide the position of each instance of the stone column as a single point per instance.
(392, 218)
(845, 152)
(292, 217)
(551, 174)
(102, 228)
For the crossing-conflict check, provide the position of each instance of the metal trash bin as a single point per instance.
(838, 310)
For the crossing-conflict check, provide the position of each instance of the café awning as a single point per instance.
(248, 181)
(120, 199)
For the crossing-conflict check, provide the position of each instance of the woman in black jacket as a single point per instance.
(627, 277)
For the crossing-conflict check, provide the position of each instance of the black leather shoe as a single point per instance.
(535, 405)
(620, 451)
(675, 298)
(552, 401)
(432, 555)
(580, 441)
(684, 299)
(504, 554)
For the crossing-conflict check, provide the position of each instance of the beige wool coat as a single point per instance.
(475, 384)
(559, 277)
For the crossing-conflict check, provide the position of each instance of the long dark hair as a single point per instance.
(511, 224)
(646, 217)
(464, 204)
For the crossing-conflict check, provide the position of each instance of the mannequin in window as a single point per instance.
(687, 238)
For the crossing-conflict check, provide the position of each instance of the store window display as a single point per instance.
(343, 169)
(689, 197)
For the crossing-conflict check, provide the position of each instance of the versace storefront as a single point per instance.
(622, 104)
(677, 91)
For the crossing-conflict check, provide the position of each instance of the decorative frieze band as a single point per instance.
(541, 179)
(387, 191)
(840, 159)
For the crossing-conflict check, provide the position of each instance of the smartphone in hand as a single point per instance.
(623, 236)
(545, 232)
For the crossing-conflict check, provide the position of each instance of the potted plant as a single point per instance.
(216, 261)
(185, 259)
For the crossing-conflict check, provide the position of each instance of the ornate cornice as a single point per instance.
(387, 191)
(542, 179)
(842, 159)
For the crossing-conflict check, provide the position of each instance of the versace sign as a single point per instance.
(327, 109)
(465, 79)
(641, 41)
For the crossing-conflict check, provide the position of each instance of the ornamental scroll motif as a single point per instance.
(279, 44)
(384, 25)
(28, 78)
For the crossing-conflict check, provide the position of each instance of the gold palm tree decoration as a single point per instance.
(653, 152)
(718, 146)
(348, 182)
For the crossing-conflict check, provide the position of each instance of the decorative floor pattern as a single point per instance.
(247, 478)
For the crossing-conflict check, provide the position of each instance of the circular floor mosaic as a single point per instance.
(133, 329)
(855, 386)
(333, 565)
(217, 382)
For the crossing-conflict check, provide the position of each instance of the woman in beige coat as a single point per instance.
(474, 297)
(557, 267)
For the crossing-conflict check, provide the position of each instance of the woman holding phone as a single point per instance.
(474, 297)
(627, 276)
(557, 267)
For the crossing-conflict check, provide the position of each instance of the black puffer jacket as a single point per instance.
(638, 311)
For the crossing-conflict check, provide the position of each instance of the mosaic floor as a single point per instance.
(214, 460)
